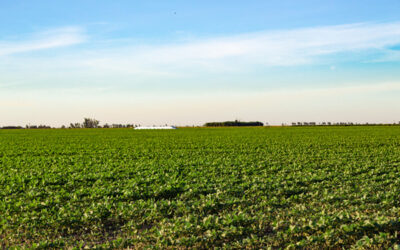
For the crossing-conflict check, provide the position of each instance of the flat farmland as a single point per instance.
(201, 187)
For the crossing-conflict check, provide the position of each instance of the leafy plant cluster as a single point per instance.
(288, 187)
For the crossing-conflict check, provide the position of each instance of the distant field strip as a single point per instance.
(201, 187)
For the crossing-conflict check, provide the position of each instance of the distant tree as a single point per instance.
(43, 126)
(90, 123)
(35, 126)
(63, 126)
(75, 125)
(117, 126)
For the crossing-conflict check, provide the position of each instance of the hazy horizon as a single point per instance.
(182, 63)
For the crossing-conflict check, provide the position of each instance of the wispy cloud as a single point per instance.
(241, 52)
(281, 47)
(268, 48)
(139, 64)
(44, 40)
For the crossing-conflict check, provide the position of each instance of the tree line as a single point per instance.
(93, 123)
(87, 123)
(235, 123)
(339, 124)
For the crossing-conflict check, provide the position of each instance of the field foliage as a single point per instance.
(201, 187)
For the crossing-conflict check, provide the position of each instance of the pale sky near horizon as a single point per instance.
(183, 63)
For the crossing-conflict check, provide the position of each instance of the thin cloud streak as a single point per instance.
(45, 40)
(143, 65)
(277, 48)
(238, 53)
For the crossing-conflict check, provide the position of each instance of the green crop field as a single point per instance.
(201, 187)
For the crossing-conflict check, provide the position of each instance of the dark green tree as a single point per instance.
(90, 123)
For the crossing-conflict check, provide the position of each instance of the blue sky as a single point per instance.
(180, 62)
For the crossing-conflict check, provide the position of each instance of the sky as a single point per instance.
(190, 62)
